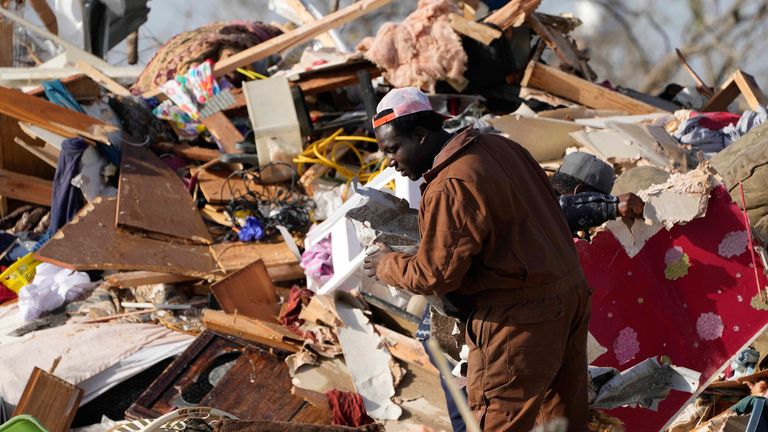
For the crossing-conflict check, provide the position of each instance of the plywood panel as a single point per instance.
(92, 242)
(51, 400)
(153, 201)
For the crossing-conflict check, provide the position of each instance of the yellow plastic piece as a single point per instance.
(21, 273)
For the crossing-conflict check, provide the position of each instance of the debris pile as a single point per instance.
(183, 243)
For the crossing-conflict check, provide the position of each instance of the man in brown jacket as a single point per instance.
(494, 241)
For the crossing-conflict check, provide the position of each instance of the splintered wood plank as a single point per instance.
(512, 14)
(251, 329)
(470, 28)
(91, 241)
(25, 188)
(100, 77)
(234, 256)
(153, 201)
(583, 92)
(50, 400)
(248, 291)
(52, 117)
(224, 131)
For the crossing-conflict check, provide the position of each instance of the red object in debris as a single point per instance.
(6, 294)
(347, 408)
(716, 120)
(289, 312)
(688, 294)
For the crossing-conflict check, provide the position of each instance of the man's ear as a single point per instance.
(420, 133)
(579, 188)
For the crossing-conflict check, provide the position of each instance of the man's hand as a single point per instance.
(631, 206)
(371, 262)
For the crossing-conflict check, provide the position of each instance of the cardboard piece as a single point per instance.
(545, 138)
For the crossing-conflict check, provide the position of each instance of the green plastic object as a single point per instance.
(22, 423)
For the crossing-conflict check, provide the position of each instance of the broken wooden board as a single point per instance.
(565, 49)
(136, 278)
(195, 153)
(546, 139)
(25, 188)
(513, 14)
(91, 241)
(224, 131)
(256, 386)
(50, 400)
(583, 92)
(153, 201)
(252, 329)
(326, 79)
(249, 292)
(738, 83)
(52, 117)
(276, 256)
(100, 77)
(219, 187)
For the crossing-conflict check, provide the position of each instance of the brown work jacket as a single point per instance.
(490, 226)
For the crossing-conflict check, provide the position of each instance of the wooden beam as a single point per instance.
(52, 117)
(583, 92)
(136, 278)
(738, 83)
(306, 18)
(473, 29)
(25, 188)
(250, 329)
(291, 39)
(47, 17)
(101, 78)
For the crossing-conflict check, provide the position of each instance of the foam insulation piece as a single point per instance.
(420, 50)
(368, 361)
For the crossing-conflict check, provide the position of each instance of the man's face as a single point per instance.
(406, 153)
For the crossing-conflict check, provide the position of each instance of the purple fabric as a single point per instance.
(317, 260)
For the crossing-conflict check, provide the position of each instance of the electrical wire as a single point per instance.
(323, 152)
(271, 205)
